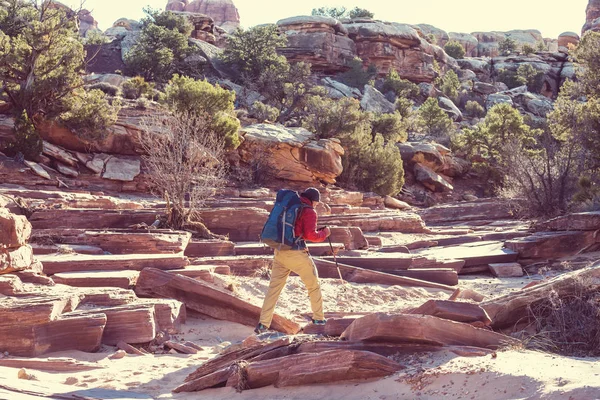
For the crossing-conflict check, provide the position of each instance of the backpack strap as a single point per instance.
(302, 207)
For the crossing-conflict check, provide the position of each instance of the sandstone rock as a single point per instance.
(223, 12)
(484, 88)
(468, 41)
(450, 108)
(59, 154)
(551, 245)
(10, 285)
(15, 259)
(584, 221)
(293, 154)
(121, 279)
(15, 230)
(337, 90)
(321, 41)
(121, 169)
(396, 46)
(454, 311)
(566, 39)
(391, 202)
(441, 37)
(431, 180)
(242, 94)
(497, 98)
(405, 328)
(67, 171)
(206, 299)
(592, 17)
(240, 225)
(318, 368)
(505, 270)
(118, 355)
(374, 101)
(38, 170)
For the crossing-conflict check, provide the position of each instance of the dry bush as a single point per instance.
(186, 164)
(568, 325)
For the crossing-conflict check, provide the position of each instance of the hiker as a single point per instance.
(297, 259)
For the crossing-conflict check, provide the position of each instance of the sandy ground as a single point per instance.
(512, 374)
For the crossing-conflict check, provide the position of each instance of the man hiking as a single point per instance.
(297, 260)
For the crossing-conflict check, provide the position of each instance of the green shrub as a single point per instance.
(27, 140)
(402, 87)
(360, 13)
(250, 52)
(107, 88)
(137, 87)
(188, 95)
(475, 109)
(404, 106)
(371, 165)
(142, 103)
(161, 50)
(93, 37)
(390, 126)
(528, 75)
(169, 20)
(541, 46)
(510, 78)
(507, 46)
(357, 76)
(329, 118)
(455, 50)
(527, 49)
(450, 85)
(264, 112)
(433, 120)
(89, 115)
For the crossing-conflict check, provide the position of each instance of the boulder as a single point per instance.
(122, 169)
(425, 329)
(454, 311)
(506, 270)
(567, 39)
(584, 221)
(319, 40)
(440, 36)
(374, 101)
(391, 202)
(337, 90)
(15, 259)
(450, 108)
(37, 169)
(484, 88)
(431, 180)
(497, 98)
(468, 41)
(292, 153)
(15, 230)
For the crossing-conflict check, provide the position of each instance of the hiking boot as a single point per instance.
(260, 328)
(319, 321)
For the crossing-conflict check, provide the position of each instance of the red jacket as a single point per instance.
(306, 224)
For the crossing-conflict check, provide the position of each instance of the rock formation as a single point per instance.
(292, 153)
(223, 12)
(389, 45)
(322, 41)
(592, 17)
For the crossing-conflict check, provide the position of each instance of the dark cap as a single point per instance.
(312, 194)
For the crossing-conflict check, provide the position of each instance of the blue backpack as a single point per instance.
(278, 231)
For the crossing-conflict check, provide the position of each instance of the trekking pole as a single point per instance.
(335, 259)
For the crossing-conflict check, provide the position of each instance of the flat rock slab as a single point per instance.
(54, 264)
(58, 364)
(585, 221)
(454, 311)
(209, 248)
(205, 298)
(308, 369)
(474, 254)
(506, 270)
(316, 249)
(378, 222)
(239, 265)
(120, 279)
(549, 245)
(424, 329)
(90, 218)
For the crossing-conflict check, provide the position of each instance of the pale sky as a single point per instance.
(550, 17)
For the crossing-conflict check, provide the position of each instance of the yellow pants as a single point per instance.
(285, 262)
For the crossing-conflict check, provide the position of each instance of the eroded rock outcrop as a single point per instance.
(592, 17)
(223, 12)
(322, 41)
(292, 154)
(390, 45)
